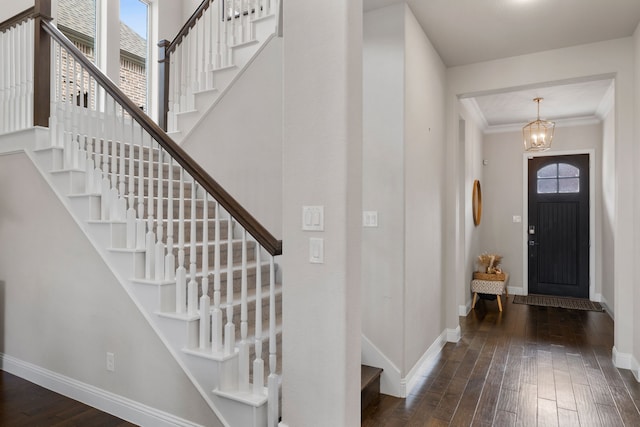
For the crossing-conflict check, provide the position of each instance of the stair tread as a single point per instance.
(368, 375)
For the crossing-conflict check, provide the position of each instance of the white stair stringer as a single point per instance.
(243, 55)
(213, 374)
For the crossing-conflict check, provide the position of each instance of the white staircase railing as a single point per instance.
(204, 46)
(16, 74)
(150, 189)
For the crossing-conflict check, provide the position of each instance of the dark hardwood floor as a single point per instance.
(25, 404)
(526, 366)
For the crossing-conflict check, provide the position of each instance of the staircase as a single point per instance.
(198, 266)
(212, 50)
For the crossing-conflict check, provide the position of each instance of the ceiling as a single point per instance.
(469, 31)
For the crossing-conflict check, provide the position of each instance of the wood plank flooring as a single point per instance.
(25, 404)
(526, 366)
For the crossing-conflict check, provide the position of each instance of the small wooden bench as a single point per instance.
(492, 287)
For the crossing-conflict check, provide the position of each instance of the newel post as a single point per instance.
(42, 65)
(163, 82)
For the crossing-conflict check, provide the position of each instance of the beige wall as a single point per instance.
(239, 141)
(504, 196)
(66, 314)
(403, 180)
(470, 157)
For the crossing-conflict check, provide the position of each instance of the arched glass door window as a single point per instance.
(558, 178)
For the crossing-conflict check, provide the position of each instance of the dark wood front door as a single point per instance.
(558, 232)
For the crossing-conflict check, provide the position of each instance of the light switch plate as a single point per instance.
(370, 218)
(313, 218)
(517, 218)
(316, 250)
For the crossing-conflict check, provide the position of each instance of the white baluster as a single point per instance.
(204, 45)
(195, 75)
(216, 321)
(67, 114)
(113, 192)
(3, 107)
(131, 199)
(170, 259)
(176, 73)
(258, 363)
(243, 346)
(230, 327)
(140, 224)
(192, 287)
(84, 122)
(234, 23)
(149, 269)
(184, 81)
(205, 301)
(121, 201)
(12, 80)
(251, 11)
(274, 388)
(211, 61)
(90, 165)
(219, 19)
(181, 272)
(160, 248)
(21, 65)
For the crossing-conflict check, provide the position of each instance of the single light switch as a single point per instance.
(313, 218)
(316, 250)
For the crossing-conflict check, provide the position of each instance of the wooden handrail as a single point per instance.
(18, 18)
(188, 25)
(237, 211)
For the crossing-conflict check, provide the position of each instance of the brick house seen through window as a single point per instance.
(77, 20)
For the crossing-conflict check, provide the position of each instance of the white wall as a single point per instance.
(322, 165)
(470, 143)
(633, 157)
(239, 141)
(63, 310)
(424, 192)
(607, 213)
(503, 195)
(610, 58)
(166, 21)
(12, 8)
(403, 158)
(383, 273)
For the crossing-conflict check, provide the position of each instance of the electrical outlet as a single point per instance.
(111, 362)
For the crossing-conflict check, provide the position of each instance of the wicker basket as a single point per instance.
(477, 275)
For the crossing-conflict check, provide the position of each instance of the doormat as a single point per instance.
(561, 302)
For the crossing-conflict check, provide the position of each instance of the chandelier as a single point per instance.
(537, 135)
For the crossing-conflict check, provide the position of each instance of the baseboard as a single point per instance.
(415, 374)
(626, 361)
(516, 290)
(103, 400)
(464, 310)
(454, 335)
(391, 381)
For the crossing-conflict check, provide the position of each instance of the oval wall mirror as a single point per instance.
(476, 201)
